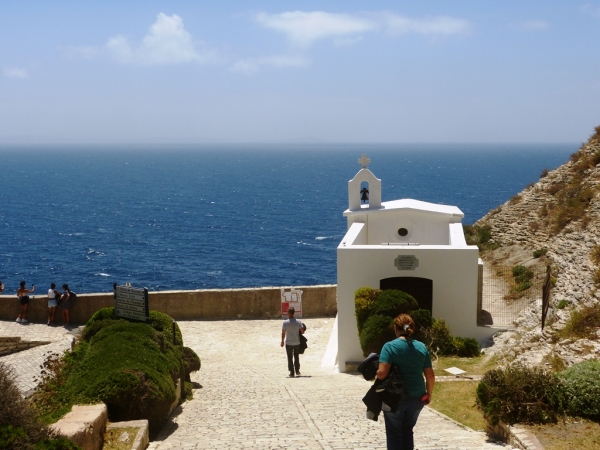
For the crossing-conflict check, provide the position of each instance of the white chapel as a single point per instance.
(410, 245)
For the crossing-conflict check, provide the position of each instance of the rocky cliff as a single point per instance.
(560, 213)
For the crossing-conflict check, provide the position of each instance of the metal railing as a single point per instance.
(506, 296)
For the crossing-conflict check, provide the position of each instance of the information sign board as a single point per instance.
(291, 298)
(131, 303)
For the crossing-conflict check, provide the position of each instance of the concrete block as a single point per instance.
(142, 439)
(84, 425)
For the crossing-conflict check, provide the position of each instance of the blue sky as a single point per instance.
(298, 71)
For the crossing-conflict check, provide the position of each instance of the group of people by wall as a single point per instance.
(65, 299)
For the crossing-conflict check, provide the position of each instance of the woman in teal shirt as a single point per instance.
(413, 360)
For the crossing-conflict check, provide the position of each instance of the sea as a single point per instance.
(223, 216)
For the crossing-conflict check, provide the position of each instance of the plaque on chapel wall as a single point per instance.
(406, 262)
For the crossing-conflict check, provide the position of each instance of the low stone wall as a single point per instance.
(208, 304)
(9, 345)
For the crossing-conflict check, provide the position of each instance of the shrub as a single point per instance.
(544, 173)
(422, 318)
(595, 254)
(438, 340)
(191, 362)
(523, 277)
(391, 302)
(466, 347)
(583, 323)
(376, 331)
(479, 236)
(130, 366)
(579, 395)
(20, 427)
(540, 252)
(518, 394)
(562, 304)
(363, 300)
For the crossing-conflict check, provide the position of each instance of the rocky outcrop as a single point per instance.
(560, 213)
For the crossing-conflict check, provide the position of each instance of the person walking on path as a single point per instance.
(290, 333)
(53, 297)
(412, 358)
(24, 300)
(67, 302)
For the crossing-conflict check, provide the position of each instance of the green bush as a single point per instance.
(579, 394)
(20, 427)
(540, 252)
(376, 331)
(562, 304)
(422, 318)
(363, 300)
(466, 347)
(391, 302)
(479, 235)
(130, 366)
(518, 394)
(191, 362)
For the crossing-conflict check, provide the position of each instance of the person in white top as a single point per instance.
(53, 296)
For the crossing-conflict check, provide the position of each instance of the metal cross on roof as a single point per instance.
(364, 161)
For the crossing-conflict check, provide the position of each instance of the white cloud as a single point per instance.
(439, 25)
(167, 42)
(304, 28)
(590, 9)
(14, 72)
(252, 65)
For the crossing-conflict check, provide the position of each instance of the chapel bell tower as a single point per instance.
(363, 186)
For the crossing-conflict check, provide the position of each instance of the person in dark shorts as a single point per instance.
(24, 300)
(290, 333)
(66, 304)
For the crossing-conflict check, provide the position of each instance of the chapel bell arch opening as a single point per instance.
(364, 192)
(420, 288)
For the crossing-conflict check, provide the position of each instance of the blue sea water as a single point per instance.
(223, 216)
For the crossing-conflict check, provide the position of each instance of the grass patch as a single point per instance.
(457, 400)
(113, 441)
(473, 366)
(568, 434)
(583, 324)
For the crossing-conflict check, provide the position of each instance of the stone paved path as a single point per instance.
(27, 363)
(247, 401)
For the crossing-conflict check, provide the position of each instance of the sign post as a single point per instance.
(131, 303)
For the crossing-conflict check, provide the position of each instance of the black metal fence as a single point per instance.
(508, 292)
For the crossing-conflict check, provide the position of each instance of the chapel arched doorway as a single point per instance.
(420, 288)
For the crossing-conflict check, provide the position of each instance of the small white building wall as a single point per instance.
(453, 272)
(457, 235)
(423, 228)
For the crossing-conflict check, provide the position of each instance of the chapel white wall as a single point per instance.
(454, 272)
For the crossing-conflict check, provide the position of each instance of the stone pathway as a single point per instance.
(247, 401)
(27, 362)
